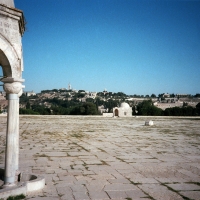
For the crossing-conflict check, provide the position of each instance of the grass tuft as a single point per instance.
(17, 197)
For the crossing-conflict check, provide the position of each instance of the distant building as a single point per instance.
(69, 86)
(102, 110)
(28, 94)
(91, 95)
(123, 111)
(105, 91)
(182, 95)
(166, 95)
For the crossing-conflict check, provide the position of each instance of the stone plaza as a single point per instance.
(94, 157)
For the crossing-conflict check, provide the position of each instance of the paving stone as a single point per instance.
(95, 188)
(167, 180)
(136, 194)
(81, 195)
(102, 176)
(62, 183)
(184, 186)
(50, 190)
(195, 195)
(187, 173)
(87, 172)
(119, 187)
(159, 192)
(68, 179)
(144, 180)
(100, 195)
(117, 194)
(78, 188)
(64, 190)
(67, 197)
(120, 180)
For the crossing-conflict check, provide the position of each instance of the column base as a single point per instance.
(8, 185)
(28, 183)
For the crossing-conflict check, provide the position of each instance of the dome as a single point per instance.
(124, 105)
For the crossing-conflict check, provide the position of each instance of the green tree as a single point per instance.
(198, 108)
(87, 108)
(147, 108)
(153, 96)
(28, 106)
(90, 100)
(41, 109)
(185, 104)
(24, 98)
(27, 112)
(172, 95)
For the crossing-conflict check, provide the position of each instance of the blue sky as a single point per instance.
(130, 46)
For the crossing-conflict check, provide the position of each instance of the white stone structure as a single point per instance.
(148, 123)
(123, 111)
(102, 109)
(12, 26)
(31, 93)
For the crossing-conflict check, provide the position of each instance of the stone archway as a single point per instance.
(4, 64)
(9, 60)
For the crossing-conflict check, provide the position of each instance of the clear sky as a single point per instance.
(130, 46)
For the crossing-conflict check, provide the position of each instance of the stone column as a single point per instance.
(12, 135)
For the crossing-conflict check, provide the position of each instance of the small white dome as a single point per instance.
(124, 105)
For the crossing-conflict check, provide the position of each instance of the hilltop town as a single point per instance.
(50, 100)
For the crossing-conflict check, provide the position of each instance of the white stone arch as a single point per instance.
(9, 60)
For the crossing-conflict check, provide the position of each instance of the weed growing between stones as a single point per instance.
(120, 159)
(148, 196)
(42, 155)
(196, 183)
(21, 196)
(104, 163)
(72, 167)
(161, 152)
(134, 183)
(102, 150)
(77, 135)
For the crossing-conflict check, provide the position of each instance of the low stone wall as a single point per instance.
(107, 114)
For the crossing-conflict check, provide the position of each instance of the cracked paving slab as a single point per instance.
(92, 157)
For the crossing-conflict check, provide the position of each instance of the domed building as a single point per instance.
(123, 111)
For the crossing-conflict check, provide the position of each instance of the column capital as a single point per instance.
(13, 85)
(12, 88)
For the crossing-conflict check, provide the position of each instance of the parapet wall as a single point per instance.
(107, 114)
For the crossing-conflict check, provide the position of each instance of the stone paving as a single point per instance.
(110, 158)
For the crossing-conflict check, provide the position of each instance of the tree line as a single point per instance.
(90, 107)
(147, 108)
(65, 107)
